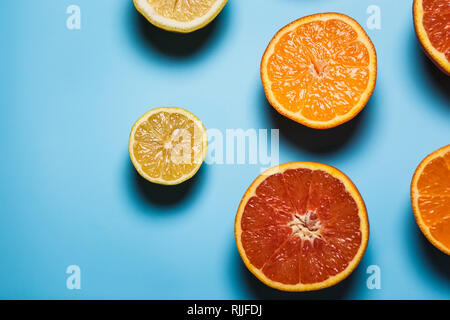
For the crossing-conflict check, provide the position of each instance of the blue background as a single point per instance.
(69, 194)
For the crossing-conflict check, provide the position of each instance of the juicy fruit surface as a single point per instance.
(436, 21)
(168, 145)
(301, 226)
(320, 69)
(433, 187)
(181, 10)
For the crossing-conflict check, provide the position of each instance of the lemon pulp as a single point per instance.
(168, 145)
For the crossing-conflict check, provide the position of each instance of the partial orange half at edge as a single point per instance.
(320, 70)
(432, 24)
(301, 226)
(430, 198)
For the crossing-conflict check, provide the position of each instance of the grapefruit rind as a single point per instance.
(138, 166)
(364, 227)
(365, 96)
(173, 25)
(415, 198)
(438, 58)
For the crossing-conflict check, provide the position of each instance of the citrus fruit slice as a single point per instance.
(432, 24)
(180, 15)
(320, 70)
(430, 198)
(301, 226)
(168, 145)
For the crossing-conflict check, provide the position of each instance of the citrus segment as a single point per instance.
(168, 145)
(301, 226)
(432, 24)
(430, 197)
(180, 15)
(319, 70)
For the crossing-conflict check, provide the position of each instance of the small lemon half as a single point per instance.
(168, 145)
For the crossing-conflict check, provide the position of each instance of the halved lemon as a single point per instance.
(168, 145)
(180, 15)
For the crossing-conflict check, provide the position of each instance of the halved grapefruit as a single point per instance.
(432, 24)
(430, 197)
(320, 70)
(301, 226)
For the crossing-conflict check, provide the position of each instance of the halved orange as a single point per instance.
(430, 198)
(320, 70)
(302, 226)
(432, 24)
(168, 145)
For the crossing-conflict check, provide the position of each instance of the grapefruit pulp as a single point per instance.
(432, 24)
(301, 226)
